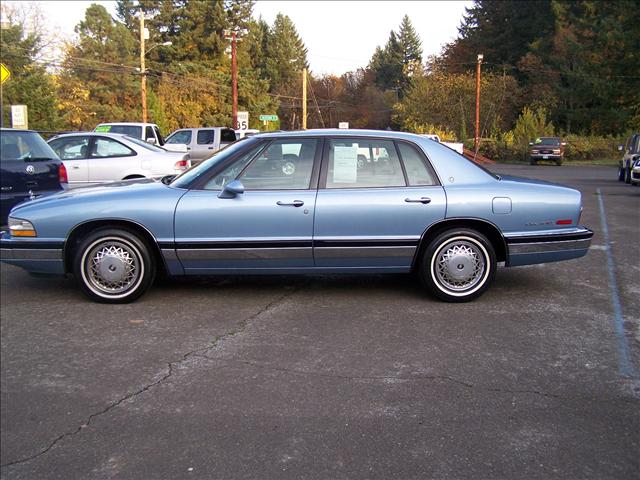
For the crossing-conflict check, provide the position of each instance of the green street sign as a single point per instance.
(269, 118)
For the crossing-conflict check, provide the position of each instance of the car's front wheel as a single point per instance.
(114, 266)
(458, 265)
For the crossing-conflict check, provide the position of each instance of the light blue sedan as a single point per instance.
(317, 201)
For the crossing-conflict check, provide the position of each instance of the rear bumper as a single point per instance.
(33, 255)
(527, 249)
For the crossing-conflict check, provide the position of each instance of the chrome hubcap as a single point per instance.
(460, 265)
(112, 267)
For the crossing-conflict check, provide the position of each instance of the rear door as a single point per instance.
(376, 199)
(111, 160)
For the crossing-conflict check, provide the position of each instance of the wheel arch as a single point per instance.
(78, 232)
(488, 229)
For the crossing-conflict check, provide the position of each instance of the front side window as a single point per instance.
(232, 171)
(106, 147)
(180, 137)
(284, 165)
(227, 135)
(74, 148)
(206, 137)
(363, 163)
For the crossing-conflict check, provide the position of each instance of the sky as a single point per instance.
(339, 36)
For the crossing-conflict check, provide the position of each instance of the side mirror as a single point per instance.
(232, 189)
(151, 140)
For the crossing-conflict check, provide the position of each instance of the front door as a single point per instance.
(377, 198)
(267, 228)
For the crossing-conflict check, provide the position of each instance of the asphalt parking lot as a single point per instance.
(337, 377)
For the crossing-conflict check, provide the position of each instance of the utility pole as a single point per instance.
(304, 99)
(477, 133)
(234, 80)
(143, 73)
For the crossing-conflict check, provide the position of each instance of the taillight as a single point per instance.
(181, 165)
(62, 174)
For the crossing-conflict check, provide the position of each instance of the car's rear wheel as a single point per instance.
(114, 266)
(458, 265)
(532, 161)
(558, 162)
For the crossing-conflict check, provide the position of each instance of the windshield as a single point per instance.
(143, 144)
(553, 141)
(131, 130)
(16, 145)
(184, 179)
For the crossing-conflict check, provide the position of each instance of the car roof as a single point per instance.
(341, 132)
(92, 134)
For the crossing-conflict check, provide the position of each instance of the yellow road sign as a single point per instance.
(4, 73)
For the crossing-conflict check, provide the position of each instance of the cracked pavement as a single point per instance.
(332, 377)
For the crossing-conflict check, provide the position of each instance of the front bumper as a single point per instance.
(542, 247)
(35, 256)
(545, 156)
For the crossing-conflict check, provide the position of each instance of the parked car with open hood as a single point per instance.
(92, 157)
(302, 202)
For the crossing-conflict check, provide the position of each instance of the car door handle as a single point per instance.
(209, 148)
(76, 167)
(423, 200)
(295, 203)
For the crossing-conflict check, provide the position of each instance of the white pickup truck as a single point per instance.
(458, 147)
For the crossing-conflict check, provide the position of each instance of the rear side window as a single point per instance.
(23, 146)
(106, 147)
(415, 164)
(206, 137)
(363, 163)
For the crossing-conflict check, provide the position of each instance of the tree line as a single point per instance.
(574, 65)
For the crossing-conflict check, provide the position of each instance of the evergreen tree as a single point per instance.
(387, 65)
(410, 45)
(103, 64)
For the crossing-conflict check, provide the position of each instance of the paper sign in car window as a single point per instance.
(103, 128)
(345, 164)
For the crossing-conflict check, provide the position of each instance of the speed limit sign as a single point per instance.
(243, 121)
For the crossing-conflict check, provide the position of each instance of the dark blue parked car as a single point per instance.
(28, 168)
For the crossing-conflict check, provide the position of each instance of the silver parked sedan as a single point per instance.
(92, 157)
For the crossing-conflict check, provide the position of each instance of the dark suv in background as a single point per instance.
(546, 148)
(631, 154)
(28, 168)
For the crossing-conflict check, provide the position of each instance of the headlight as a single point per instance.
(534, 152)
(21, 228)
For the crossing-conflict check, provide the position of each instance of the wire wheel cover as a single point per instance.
(460, 265)
(113, 267)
